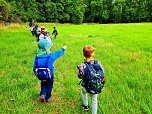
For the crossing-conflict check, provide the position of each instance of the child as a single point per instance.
(42, 33)
(31, 25)
(55, 32)
(35, 32)
(48, 37)
(88, 52)
(44, 52)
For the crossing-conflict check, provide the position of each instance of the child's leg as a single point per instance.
(49, 90)
(84, 97)
(94, 103)
(43, 91)
(43, 88)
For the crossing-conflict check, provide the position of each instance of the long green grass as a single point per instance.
(125, 51)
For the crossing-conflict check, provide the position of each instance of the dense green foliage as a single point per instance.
(77, 11)
(124, 50)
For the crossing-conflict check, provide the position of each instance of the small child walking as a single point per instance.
(88, 52)
(32, 25)
(45, 56)
(35, 32)
(55, 32)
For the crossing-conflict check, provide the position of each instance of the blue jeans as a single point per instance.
(46, 88)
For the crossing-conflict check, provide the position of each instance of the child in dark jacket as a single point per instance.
(44, 51)
(35, 32)
(31, 25)
(55, 32)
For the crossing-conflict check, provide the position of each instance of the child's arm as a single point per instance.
(101, 67)
(104, 79)
(56, 55)
(81, 71)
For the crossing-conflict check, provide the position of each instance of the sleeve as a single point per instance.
(101, 67)
(35, 65)
(56, 55)
(81, 71)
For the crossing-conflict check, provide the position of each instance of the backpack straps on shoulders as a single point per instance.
(95, 62)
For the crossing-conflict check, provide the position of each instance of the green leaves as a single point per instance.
(77, 11)
(4, 10)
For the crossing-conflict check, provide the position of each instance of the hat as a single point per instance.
(44, 45)
(43, 27)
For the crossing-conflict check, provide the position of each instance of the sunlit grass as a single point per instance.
(125, 51)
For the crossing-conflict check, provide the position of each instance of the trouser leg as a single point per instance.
(94, 103)
(84, 96)
(43, 88)
(49, 89)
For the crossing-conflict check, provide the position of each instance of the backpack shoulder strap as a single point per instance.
(86, 63)
(95, 62)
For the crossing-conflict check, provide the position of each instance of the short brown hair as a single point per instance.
(88, 50)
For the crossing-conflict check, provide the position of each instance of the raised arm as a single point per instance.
(56, 55)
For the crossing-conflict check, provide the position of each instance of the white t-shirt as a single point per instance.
(41, 36)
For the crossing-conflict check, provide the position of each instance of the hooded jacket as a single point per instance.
(51, 57)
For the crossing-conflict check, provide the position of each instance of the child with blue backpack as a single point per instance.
(44, 68)
(92, 74)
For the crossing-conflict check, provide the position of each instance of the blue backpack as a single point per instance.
(42, 71)
(93, 78)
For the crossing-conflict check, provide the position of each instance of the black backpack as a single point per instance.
(93, 78)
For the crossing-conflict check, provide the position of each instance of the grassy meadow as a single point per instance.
(125, 51)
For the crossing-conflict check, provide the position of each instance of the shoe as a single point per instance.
(48, 101)
(42, 98)
(85, 108)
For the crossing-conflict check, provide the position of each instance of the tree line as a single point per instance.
(76, 11)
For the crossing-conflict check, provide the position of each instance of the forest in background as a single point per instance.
(76, 11)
